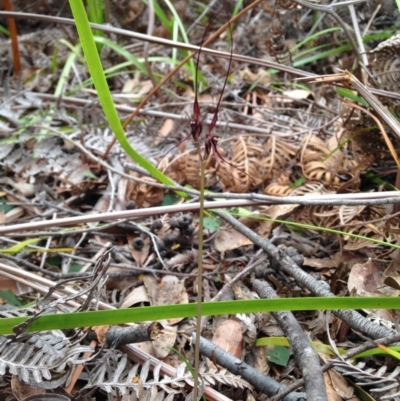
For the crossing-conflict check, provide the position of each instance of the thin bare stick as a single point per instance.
(373, 198)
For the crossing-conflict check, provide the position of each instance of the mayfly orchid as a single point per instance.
(196, 126)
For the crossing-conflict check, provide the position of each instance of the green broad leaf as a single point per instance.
(4, 206)
(89, 174)
(10, 298)
(54, 261)
(278, 355)
(211, 223)
(75, 268)
(299, 182)
(283, 342)
(169, 199)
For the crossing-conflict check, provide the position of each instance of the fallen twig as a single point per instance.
(306, 358)
(319, 288)
(260, 381)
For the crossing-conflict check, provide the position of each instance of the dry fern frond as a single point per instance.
(280, 154)
(276, 189)
(119, 378)
(213, 376)
(143, 194)
(386, 64)
(380, 379)
(310, 188)
(321, 162)
(249, 172)
(173, 168)
(36, 358)
(276, 43)
(191, 168)
(381, 231)
(348, 212)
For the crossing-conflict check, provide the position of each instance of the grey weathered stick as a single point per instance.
(236, 366)
(306, 358)
(348, 355)
(137, 333)
(319, 288)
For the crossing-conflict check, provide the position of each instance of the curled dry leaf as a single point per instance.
(226, 240)
(136, 296)
(392, 275)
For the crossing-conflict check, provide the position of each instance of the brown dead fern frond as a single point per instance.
(276, 189)
(279, 155)
(322, 161)
(246, 156)
(144, 195)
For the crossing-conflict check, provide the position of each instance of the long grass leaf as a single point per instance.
(100, 82)
(152, 313)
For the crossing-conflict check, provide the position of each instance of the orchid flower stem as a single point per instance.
(203, 162)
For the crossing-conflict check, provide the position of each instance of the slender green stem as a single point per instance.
(199, 275)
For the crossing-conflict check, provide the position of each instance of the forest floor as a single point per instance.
(306, 162)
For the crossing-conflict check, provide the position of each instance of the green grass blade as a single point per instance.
(100, 82)
(67, 68)
(122, 52)
(246, 213)
(152, 313)
(313, 36)
(319, 56)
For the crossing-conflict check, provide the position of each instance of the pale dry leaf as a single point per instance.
(166, 127)
(151, 284)
(226, 240)
(274, 212)
(297, 94)
(261, 76)
(136, 296)
(335, 385)
(319, 264)
(170, 291)
(228, 336)
(365, 279)
(241, 291)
